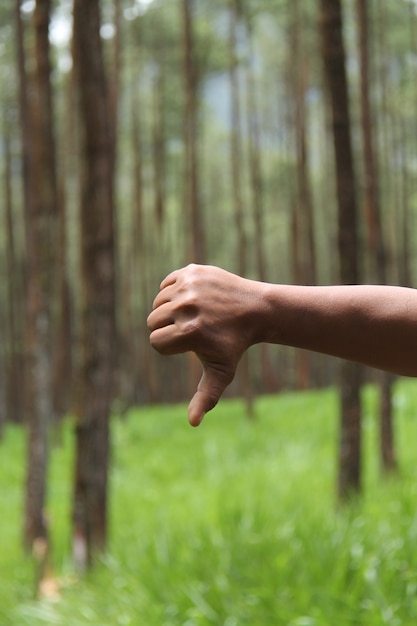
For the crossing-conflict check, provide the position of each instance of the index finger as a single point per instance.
(163, 296)
(169, 280)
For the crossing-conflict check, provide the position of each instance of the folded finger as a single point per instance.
(162, 297)
(169, 280)
(168, 340)
(161, 316)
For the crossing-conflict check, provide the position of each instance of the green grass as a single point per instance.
(231, 524)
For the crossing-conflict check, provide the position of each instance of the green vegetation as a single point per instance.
(231, 524)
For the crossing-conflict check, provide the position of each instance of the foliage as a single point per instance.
(231, 524)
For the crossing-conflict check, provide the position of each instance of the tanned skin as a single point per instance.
(219, 315)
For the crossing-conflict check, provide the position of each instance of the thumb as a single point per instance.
(211, 386)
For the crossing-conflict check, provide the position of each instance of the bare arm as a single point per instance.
(218, 315)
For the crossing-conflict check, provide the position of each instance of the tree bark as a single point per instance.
(15, 366)
(194, 217)
(158, 141)
(257, 190)
(236, 161)
(303, 247)
(98, 281)
(40, 220)
(350, 373)
(376, 243)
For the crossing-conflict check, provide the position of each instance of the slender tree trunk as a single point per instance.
(193, 209)
(302, 224)
(23, 106)
(62, 355)
(191, 179)
(384, 136)
(41, 219)
(257, 190)
(236, 161)
(256, 180)
(350, 373)
(14, 297)
(114, 83)
(159, 146)
(64, 352)
(25, 136)
(405, 234)
(305, 211)
(146, 369)
(98, 279)
(376, 243)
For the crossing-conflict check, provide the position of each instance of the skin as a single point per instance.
(219, 315)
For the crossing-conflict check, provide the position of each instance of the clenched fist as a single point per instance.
(211, 312)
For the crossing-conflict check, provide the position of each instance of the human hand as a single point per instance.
(211, 312)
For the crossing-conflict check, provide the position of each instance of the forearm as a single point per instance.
(218, 315)
(373, 325)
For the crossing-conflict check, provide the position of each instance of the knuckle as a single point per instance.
(190, 326)
(187, 310)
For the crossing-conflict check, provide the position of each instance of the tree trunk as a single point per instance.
(40, 220)
(14, 298)
(23, 107)
(350, 373)
(158, 141)
(98, 280)
(257, 191)
(304, 202)
(62, 354)
(193, 210)
(194, 214)
(114, 86)
(304, 258)
(236, 160)
(375, 239)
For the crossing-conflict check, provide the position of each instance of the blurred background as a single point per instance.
(275, 138)
(222, 153)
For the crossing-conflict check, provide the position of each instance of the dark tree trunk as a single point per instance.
(15, 365)
(236, 157)
(304, 202)
(23, 106)
(350, 373)
(376, 243)
(114, 87)
(63, 335)
(375, 240)
(159, 146)
(191, 181)
(304, 257)
(196, 252)
(98, 280)
(236, 161)
(257, 191)
(63, 351)
(40, 224)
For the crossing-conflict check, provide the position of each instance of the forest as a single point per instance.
(274, 138)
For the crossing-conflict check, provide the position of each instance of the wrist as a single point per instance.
(262, 314)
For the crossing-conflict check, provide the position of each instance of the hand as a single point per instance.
(209, 311)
